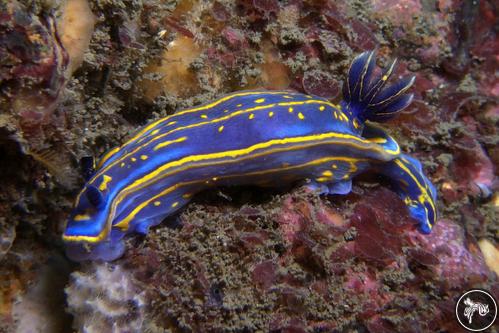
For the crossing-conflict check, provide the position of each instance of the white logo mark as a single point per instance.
(472, 307)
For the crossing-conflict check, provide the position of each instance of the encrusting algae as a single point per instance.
(77, 77)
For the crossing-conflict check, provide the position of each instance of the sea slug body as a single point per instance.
(268, 138)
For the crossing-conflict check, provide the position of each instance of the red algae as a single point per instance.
(419, 117)
(295, 262)
(399, 12)
(220, 12)
(299, 277)
(472, 165)
(267, 6)
(264, 274)
(320, 84)
(33, 65)
(234, 38)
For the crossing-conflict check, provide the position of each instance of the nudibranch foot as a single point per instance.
(107, 250)
(317, 187)
(333, 187)
(342, 187)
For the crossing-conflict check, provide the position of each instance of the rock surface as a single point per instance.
(269, 261)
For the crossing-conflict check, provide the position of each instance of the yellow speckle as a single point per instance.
(378, 140)
(157, 203)
(334, 166)
(225, 111)
(204, 116)
(346, 176)
(155, 132)
(187, 195)
(260, 100)
(271, 114)
(122, 164)
(134, 159)
(322, 108)
(384, 78)
(301, 116)
(81, 217)
(322, 179)
(251, 116)
(105, 180)
(308, 96)
(355, 123)
(239, 105)
(175, 204)
(335, 115)
(214, 179)
(290, 110)
(327, 173)
(286, 96)
(143, 157)
(221, 128)
(171, 123)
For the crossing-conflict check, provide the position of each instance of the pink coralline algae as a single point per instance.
(304, 267)
(362, 37)
(398, 11)
(32, 66)
(220, 12)
(456, 254)
(320, 84)
(253, 260)
(266, 6)
(472, 166)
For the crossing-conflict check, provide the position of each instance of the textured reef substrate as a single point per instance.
(77, 77)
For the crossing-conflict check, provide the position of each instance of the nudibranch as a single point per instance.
(267, 138)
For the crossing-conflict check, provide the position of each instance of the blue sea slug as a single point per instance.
(267, 138)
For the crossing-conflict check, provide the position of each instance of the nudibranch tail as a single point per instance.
(411, 184)
(367, 97)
